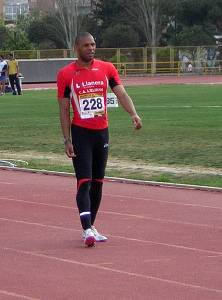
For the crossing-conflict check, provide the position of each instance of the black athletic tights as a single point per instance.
(91, 149)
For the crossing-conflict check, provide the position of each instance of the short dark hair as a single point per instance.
(81, 35)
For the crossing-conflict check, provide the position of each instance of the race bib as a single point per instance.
(91, 105)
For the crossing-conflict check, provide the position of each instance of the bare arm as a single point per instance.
(64, 108)
(128, 105)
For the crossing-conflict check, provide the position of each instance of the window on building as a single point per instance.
(13, 9)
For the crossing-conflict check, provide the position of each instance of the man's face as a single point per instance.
(85, 48)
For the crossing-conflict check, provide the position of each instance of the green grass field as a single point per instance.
(181, 139)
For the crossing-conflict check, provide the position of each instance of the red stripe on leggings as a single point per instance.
(99, 180)
(81, 181)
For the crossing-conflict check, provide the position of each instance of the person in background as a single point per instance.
(13, 75)
(84, 84)
(3, 70)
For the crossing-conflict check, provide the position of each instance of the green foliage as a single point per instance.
(215, 14)
(119, 36)
(17, 39)
(163, 54)
(3, 35)
(106, 14)
(123, 58)
(109, 12)
(194, 36)
(193, 12)
(2, 23)
(46, 32)
(119, 23)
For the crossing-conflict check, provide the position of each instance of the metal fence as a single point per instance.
(144, 60)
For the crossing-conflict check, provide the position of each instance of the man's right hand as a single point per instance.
(69, 150)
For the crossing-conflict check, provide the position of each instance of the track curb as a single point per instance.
(121, 180)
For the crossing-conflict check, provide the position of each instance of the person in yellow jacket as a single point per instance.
(13, 75)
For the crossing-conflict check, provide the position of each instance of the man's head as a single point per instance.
(10, 56)
(85, 47)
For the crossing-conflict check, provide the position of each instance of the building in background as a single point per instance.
(43, 5)
(11, 9)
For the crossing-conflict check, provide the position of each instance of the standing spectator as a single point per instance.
(13, 74)
(190, 67)
(3, 69)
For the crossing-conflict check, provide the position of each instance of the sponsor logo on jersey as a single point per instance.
(86, 84)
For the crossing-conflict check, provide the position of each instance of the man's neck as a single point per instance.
(84, 64)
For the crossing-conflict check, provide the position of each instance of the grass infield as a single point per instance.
(181, 139)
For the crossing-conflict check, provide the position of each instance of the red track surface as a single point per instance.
(155, 80)
(164, 243)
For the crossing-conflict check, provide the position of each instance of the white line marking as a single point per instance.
(121, 272)
(4, 182)
(17, 295)
(122, 196)
(118, 214)
(178, 106)
(36, 203)
(38, 224)
(114, 236)
(162, 201)
(162, 220)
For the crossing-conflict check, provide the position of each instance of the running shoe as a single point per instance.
(98, 237)
(89, 238)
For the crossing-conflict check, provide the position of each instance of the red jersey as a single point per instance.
(87, 89)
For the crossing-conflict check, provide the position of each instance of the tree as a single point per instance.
(120, 36)
(105, 15)
(198, 22)
(3, 35)
(215, 14)
(69, 18)
(194, 36)
(193, 12)
(153, 17)
(47, 33)
(16, 39)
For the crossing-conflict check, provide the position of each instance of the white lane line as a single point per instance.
(179, 106)
(211, 252)
(121, 272)
(162, 220)
(37, 203)
(4, 182)
(122, 196)
(161, 201)
(3, 292)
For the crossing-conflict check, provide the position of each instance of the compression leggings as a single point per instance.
(91, 149)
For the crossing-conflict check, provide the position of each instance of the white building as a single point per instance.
(13, 8)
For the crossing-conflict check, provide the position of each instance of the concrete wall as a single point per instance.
(41, 70)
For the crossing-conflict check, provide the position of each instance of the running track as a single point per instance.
(164, 243)
(150, 80)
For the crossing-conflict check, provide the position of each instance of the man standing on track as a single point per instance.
(84, 84)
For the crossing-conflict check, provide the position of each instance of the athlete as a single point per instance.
(83, 84)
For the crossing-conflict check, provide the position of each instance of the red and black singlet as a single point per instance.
(87, 89)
